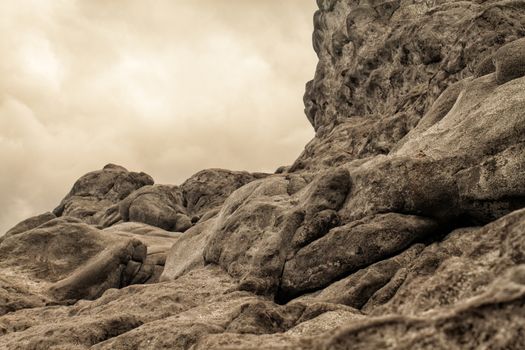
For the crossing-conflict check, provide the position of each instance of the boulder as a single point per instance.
(510, 61)
(30, 223)
(67, 260)
(253, 233)
(250, 232)
(188, 253)
(96, 191)
(157, 205)
(346, 249)
(158, 243)
(208, 189)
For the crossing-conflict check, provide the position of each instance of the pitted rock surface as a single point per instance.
(400, 226)
(95, 192)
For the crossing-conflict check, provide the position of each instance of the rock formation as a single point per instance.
(400, 226)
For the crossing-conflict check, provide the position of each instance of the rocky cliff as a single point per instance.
(400, 226)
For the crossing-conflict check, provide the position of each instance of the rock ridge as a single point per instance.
(400, 226)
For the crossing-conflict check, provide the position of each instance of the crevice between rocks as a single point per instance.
(282, 298)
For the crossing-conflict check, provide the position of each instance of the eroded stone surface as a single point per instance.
(392, 58)
(208, 189)
(29, 224)
(348, 248)
(158, 243)
(95, 192)
(158, 205)
(65, 259)
(400, 226)
(254, 232)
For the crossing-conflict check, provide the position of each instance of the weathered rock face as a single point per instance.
(205, 191)
(401, 225)
(95, 192)
(253, 233)
(382, 64)
(158, 243)
(157, 205)
(64, 260)
(348, 248)
(30, 223)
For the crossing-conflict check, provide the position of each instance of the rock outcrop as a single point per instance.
(95, 192)
(400, 226)
(205, 191)
(65, 260)
(157, 205)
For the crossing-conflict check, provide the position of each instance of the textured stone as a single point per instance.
(209, 188)
(400, 226)
(157, 205)
(510, 61)
(30, 223)
(348, 248)
(254, 232)
(158, 243)
(65, 259)
(96, 191)
(250, 232)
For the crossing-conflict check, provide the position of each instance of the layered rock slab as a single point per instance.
(29, 224)
(437, 170)
(254, 230)
(382, 66)
(158, 243)
(157, 205)
(64, 260)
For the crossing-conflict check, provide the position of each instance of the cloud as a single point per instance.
(166, 87)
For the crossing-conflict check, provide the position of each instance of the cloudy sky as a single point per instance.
(168, 87)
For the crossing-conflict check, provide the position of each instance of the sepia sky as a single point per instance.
(168, 87)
